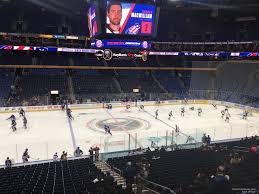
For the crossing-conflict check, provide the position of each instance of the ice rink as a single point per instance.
(51, 131)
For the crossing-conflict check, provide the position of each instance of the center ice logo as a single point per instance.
(118, 124)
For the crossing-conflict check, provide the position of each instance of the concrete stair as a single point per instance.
(104, 167)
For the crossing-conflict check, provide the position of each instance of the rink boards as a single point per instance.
(123, 104)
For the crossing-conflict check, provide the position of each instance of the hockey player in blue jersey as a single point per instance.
(170, 115)
(21, 112)
(14, 125)
(12, 117)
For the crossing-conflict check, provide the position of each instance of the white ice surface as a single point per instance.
(50, 132)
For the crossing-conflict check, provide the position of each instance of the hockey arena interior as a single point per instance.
(129, 96)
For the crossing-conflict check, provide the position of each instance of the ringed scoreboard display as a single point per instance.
(130, 18)
(117, 19)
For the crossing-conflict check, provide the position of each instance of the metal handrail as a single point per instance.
(158, 185)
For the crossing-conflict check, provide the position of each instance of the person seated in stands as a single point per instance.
(200, 182)
(220, 183)
(236, 159)
(156, 154)
(148, 150)
(8, 163)
(162, 150)
(78, 152)
(63, 156)
(253, 149)
(108, 183)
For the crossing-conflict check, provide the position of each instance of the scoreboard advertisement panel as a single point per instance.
(130, 18)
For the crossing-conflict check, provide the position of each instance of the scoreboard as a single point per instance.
(122, 20)
(130, 18)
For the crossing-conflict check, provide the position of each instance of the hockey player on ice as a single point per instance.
(226, 109)
(107, 129)
(227, 117)
(222, 114)
(21, 112)
(69, 111)
(199, 112)
(182, 111)
(141, 107)
(156, 114)
(177, 132)
(170, 115)
(13, 125)
(192, 108)
(245, 114)
(12, 117)
(24, 122)
(63, 106)
(215, 106)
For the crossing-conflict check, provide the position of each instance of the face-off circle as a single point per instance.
(118, 124)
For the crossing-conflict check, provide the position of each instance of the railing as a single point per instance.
(162, 188)
(240, 149)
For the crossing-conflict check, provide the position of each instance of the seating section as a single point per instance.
(72, 176)
(94, 82)
(177, 169)
(130, 80)
(6, 80)
(34, 84)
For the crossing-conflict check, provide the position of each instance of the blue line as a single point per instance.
(168, 124)
(72, 133)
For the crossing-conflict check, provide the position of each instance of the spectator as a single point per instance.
(148, 150)
(200, 182)
(204, 139)
(63, 156)
(55, 157)
(96, 150)
(8, 163)
(78, 152)
(143, 175)
(91, 152)
(130, 174)
(162, 150)
(236, 159)
(25, 156)
(108, 183)
(220, 183)
(208, 140)
(253, 149)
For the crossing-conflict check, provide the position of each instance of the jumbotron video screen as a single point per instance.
(130, 18)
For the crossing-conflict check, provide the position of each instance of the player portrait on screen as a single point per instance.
(129, 18)
(114, 13)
